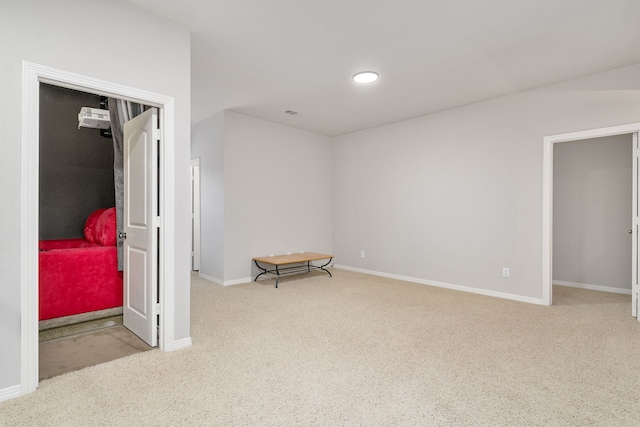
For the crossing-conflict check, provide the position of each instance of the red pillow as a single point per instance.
(90, 225)
(106, 228)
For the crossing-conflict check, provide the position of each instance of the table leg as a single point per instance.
(322, 267)
(264, 271)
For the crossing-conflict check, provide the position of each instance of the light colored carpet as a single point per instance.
(357, 350)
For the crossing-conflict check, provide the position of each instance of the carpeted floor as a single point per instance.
(357, 350)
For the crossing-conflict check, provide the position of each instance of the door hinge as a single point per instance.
(156, 222)
(157, 309)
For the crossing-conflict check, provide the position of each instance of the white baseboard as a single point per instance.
(237, 281)
(484, 292)
(10, 393)
(224, 282)
(623, 291)
(210, 279)
(183, 343)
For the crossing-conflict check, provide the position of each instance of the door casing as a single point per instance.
(32, 75)
(195, 214)
(547, 195)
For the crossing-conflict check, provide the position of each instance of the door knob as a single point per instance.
(122, 235)
(630, 231)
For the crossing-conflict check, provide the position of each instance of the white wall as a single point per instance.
(592, 212)
(277, 193)
(64, 35)
(453, 197)
(207, 144)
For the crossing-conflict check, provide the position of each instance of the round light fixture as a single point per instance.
(365, 77)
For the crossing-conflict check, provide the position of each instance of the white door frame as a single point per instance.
(195, 214)
(32, 76)
(547, 195)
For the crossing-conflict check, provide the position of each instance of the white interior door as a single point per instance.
(141, 222)
(635, 237)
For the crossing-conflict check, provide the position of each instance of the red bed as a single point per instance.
(81, 275)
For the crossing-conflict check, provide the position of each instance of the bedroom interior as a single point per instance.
(80, 285)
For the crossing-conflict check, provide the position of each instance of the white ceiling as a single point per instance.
(263, 57)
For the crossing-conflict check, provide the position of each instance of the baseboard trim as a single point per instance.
(79, 318)
(237, 281)
(485, 292)
(10, 393)
(224, 282)
(182, 344)
(622, 291)
(210, 279)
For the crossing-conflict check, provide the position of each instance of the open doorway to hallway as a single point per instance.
(548, 205)
(592, 195)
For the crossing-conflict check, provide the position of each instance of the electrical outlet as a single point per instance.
(505, 272)
(361, 254)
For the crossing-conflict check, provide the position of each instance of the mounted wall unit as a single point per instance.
(93, 118)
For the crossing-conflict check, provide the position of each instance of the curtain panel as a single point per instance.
(120, 112)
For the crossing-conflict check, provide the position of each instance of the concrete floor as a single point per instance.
(76, 352)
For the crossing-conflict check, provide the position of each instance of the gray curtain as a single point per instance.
(120, 112)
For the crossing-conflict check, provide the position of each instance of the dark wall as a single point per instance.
(76, 165)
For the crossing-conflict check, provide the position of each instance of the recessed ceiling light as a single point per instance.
(365, 77)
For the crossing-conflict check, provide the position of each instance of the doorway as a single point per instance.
(592, 186)
(76, 178)
(547, 200)
(33, 75)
